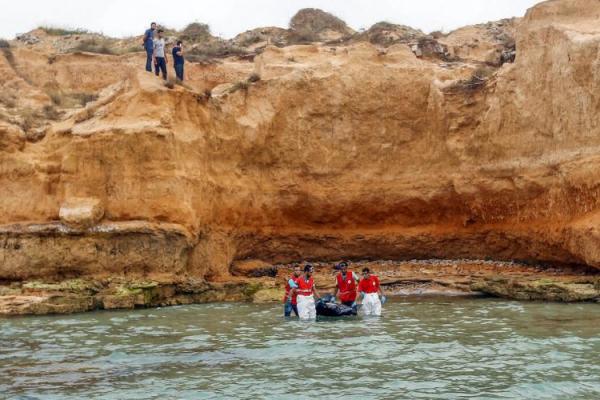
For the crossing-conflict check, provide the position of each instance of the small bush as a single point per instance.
(4, 44)
(50, 112)
(94, 46)
(29, 119)
(195, 32)
(254, 78)
(57, 31)
(315, 20)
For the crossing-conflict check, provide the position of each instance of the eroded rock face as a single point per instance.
(54, 251)
(354, 151)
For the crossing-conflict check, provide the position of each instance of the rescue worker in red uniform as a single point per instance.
(345, 285)
(306, 294)
(290, 300)
(370, 289)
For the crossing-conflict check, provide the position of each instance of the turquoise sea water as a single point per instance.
(429, 348)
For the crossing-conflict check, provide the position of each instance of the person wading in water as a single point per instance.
(306, 294)
(290, 299)
(370, 289)
(346, 283)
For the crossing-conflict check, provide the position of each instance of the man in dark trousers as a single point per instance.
(178, 60)
(149, 45)
(160, 55)
(290, 299)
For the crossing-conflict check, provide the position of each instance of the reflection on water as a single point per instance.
(430, 348)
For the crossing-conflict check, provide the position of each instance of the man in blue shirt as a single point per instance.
(149, 45)
(178, 60)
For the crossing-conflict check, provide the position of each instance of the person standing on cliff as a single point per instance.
(290, 299)
(370, 289)
(306, 294)
(160, 56)
(148, 43)
(346, 283)
(178, 60)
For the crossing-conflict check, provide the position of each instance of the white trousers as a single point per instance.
(371, 305)
(306, 307)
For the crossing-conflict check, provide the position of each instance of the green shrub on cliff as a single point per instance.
(195, 32)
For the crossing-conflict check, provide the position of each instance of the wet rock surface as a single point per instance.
(73, 296)
(399, 278)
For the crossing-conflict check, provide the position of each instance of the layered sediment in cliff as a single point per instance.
(416, 148)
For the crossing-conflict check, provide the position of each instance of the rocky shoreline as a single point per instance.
(257, 282)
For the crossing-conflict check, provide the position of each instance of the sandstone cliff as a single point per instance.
(418, 148)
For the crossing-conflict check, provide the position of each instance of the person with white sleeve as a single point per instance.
(306, 294)
(370, 289)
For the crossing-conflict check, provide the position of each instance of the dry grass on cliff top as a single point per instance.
(307, 26)
(61, 31)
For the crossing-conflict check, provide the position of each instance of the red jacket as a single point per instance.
(305, 288)
(288, 289)
(370, 285)
(347, 287)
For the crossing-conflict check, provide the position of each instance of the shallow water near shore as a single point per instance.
(428, 347)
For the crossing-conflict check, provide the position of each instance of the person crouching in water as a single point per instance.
(370, 290)
(178, 60)
(291, 296)
(346, 283)
(306, 294)
(160, 56)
